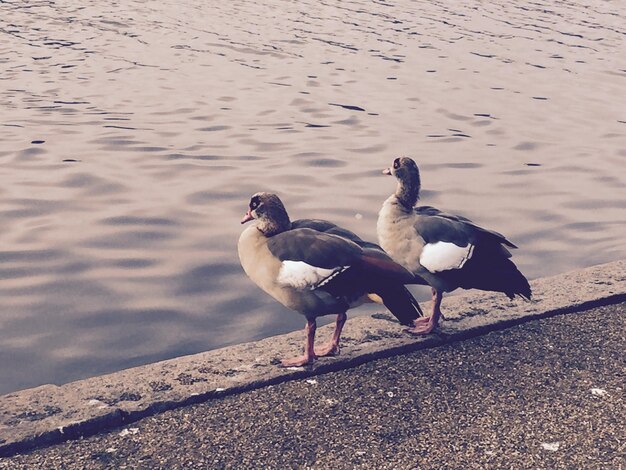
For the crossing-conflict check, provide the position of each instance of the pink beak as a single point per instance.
(387, 171)
(248, 217)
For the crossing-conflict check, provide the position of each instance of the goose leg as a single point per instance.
(309, 353)
(332, 348)
(425, 320)
(426, 325)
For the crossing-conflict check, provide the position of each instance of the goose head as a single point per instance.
(408, 175)
(269, 212)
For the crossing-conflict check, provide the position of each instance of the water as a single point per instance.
(132, 135)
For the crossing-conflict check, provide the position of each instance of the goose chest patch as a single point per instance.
(443, 256)
(301, 275)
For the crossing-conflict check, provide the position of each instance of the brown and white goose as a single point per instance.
(448, 251)
(317, 268)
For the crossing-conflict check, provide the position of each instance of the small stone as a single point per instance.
(128, 432)
(551, 446)
(94, 402)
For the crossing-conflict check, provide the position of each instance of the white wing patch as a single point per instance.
(442, 256)
(300, 275)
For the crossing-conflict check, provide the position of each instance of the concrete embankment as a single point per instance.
(543, 394)
(50, 414)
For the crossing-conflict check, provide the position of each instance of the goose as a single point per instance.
(318, 268)
(448, 251)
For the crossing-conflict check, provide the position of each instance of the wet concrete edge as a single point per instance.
(52, 414)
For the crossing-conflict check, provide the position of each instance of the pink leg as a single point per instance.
(332, 348)
(425, 320)
(426, 325)
(309, 353)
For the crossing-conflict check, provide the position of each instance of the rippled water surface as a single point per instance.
(132, 135)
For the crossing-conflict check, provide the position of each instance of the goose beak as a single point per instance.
(247, 217)
(387, 171)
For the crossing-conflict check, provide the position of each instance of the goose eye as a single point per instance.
(396, 163)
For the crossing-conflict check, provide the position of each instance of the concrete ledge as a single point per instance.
(51, 414)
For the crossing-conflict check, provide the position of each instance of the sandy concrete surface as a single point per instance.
(543, 394)
(51, 414)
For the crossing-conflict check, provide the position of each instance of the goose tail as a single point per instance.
(400, 302)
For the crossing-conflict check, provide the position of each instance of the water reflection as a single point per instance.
(133, 135)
